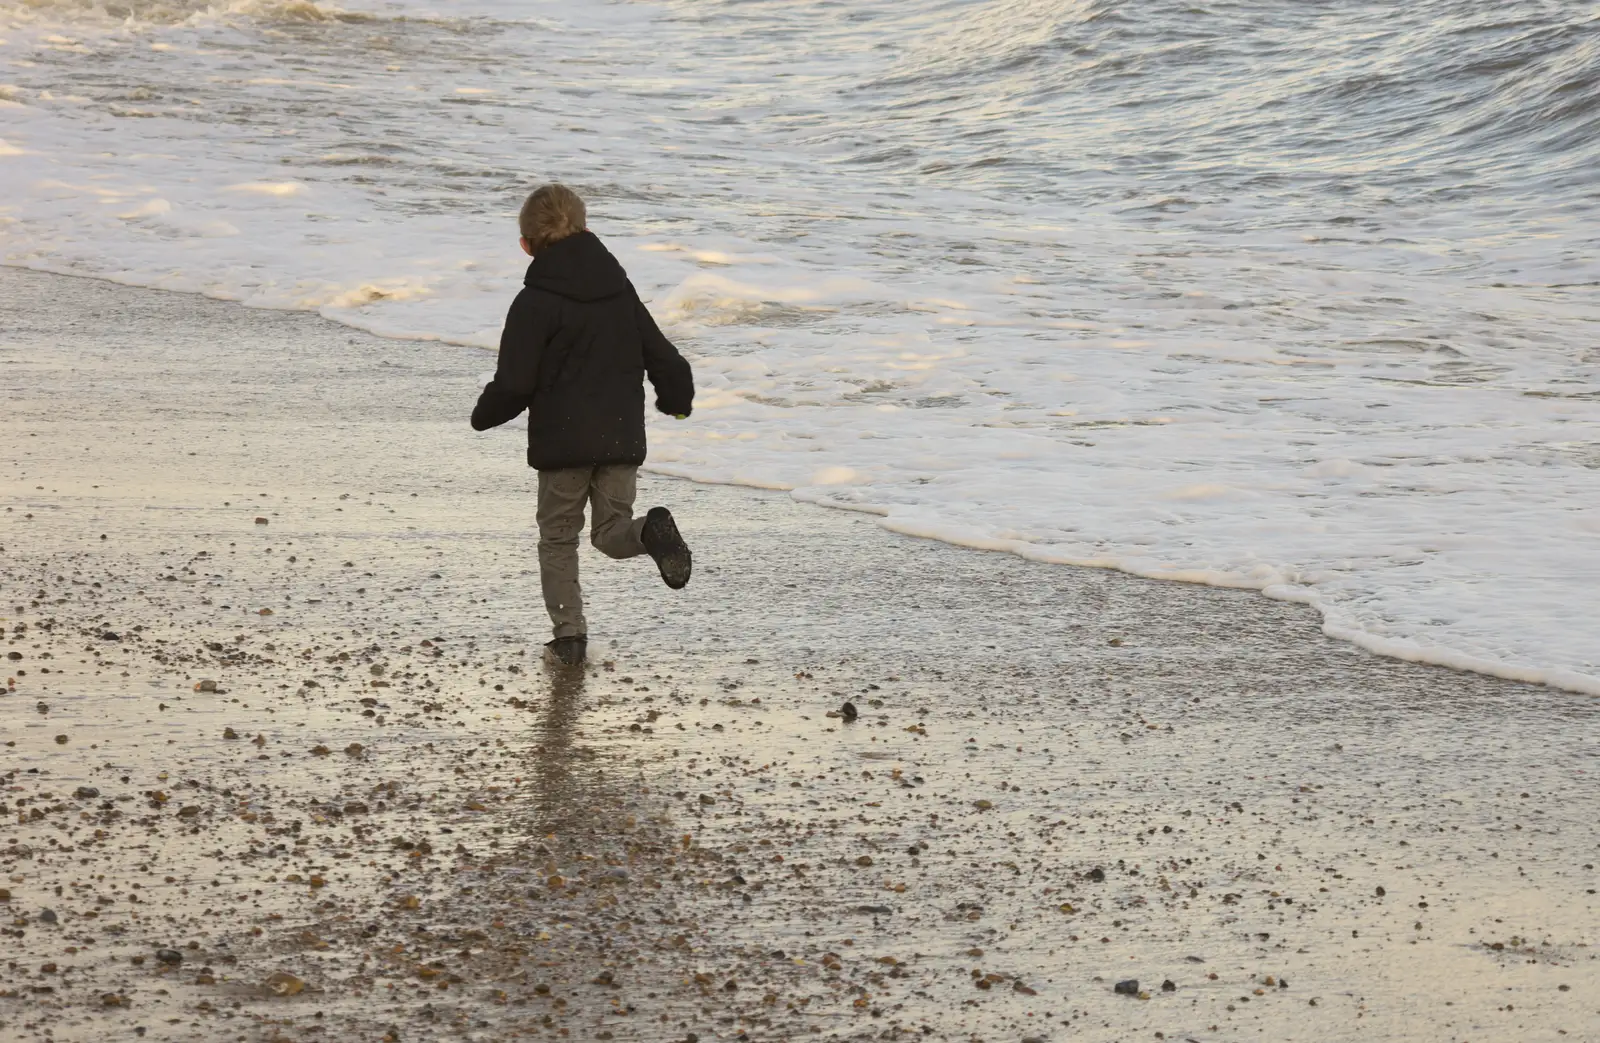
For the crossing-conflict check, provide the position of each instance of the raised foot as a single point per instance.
(661, 538)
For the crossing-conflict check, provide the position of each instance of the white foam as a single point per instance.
(1396, 427)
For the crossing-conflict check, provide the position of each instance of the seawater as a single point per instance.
(1296, 296)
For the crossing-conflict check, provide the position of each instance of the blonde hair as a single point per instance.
(549, 214)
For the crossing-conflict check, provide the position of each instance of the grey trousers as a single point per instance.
(609, 490)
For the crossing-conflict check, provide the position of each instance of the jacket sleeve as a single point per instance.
(522, 343)
(668, 371)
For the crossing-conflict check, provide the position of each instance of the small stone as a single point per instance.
(61, 740)
(320, 750)
(983, 805)
(5, 894)
(1126, 988)
(355, 749)
(263, 611)
(1381, 892)
(282, 983)
(206, 685)
(111, 999)
(170, 957)
(86, 793)
(1095, 875)
(229, 733)
(261, 521)
(849, 712)
(48, 916)
(864, 861)
(1169, 986)
(410, 902)
(189, 811)
(1115, 642)
(707, 799)
(14, 656)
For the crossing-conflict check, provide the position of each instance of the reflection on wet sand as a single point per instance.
(564, 795)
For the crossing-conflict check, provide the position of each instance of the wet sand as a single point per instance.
(390, 821)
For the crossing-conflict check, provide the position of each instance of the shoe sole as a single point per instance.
(666, 546)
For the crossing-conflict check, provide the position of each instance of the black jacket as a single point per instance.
(576, 348)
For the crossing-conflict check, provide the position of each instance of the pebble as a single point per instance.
(86, 793)
(849, 712)
(1126, 988)
(170, 957)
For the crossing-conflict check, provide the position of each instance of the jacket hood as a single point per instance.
(578, 267)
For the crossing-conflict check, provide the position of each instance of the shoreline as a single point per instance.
(1400, 648)
(1061, 779)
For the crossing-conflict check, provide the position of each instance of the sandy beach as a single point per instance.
(281, 761)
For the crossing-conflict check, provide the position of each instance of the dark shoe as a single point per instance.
(660, 537)
(568, 651)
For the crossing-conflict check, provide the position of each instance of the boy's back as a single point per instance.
(576, 349)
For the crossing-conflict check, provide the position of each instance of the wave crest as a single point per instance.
(135, 13)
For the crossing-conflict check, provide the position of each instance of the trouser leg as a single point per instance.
(561, 498)
(614, 530)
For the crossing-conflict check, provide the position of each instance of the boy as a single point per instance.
(576, 348)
